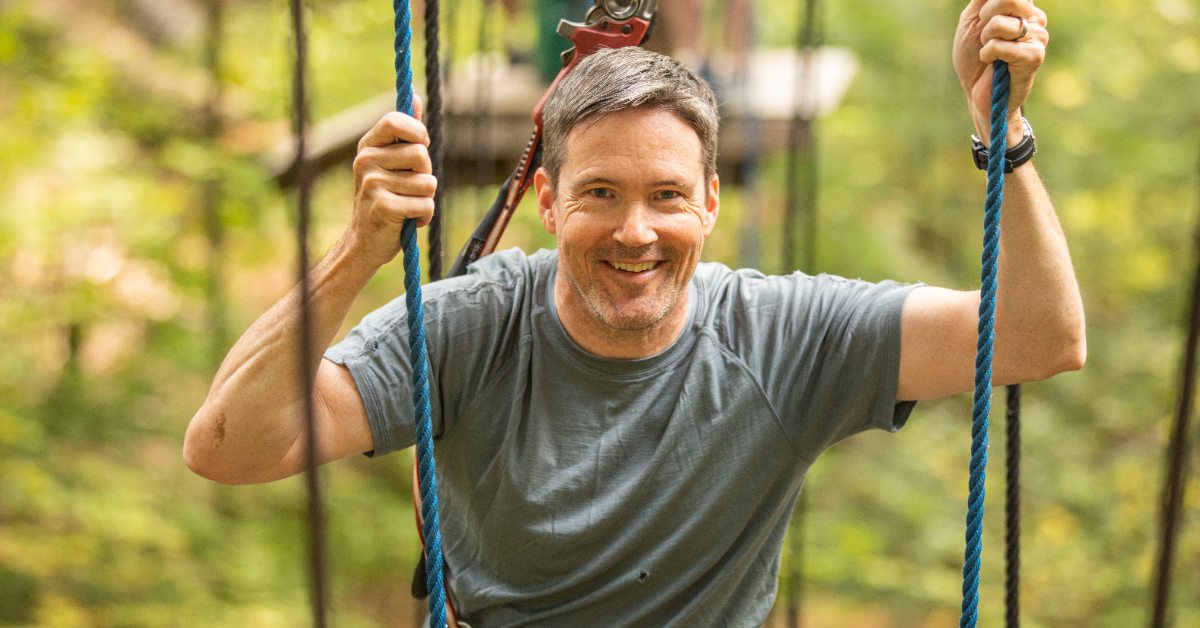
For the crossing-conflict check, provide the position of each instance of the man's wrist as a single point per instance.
(353, 254)
(1016, 153)
(1016, 130)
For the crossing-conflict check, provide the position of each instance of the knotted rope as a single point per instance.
(983, 351)
(417, 350)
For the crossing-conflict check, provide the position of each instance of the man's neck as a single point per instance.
(604, 341)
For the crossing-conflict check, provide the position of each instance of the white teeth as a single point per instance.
(633, 268)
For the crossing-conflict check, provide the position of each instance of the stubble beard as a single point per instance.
(601, 305)
(611, 317)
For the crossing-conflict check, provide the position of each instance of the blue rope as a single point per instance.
(983, 351)
(417, 350)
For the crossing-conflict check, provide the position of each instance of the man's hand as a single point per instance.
(393, 181)
(252, 426)
(988, 31)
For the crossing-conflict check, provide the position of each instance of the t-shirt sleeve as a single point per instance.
(376, 354)
(827, 350)
(469, 327)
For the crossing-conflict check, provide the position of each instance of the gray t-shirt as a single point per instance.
(577, 490)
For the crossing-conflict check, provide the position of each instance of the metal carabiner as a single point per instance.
(625, 9)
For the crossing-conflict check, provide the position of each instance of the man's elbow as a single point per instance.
(204, 436)
(197, 458)
(1070, 354)
(210, 468)
(1074, 357)
(196, 461)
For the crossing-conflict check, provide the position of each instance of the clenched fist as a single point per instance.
(1013, 31)
(393, 182)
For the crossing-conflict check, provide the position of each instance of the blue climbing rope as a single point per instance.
(417, 350)
(983, 349)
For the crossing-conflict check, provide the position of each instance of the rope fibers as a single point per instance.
(983, 355)
(417, 349)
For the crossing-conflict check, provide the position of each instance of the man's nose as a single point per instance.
(636, 228)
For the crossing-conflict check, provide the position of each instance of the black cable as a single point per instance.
(483, 105)
(304, 184)
(1177, 453)
(801, 198)
(801, 151)
(433, 122)
(1012, 509)
(214, 226)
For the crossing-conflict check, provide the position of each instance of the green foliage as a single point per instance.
(112, 322)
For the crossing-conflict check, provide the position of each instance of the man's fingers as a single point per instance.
(972, 8)
(1014, 8)
(398, 183)
(395, 127)
(1008, 28)
(1013, 53)
(412, 157)
(1040, 17)
(401, 208)
(397, 196)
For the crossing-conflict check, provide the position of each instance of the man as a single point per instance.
(622, 432)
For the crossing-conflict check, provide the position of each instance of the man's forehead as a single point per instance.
(627, 119)
(651, 142)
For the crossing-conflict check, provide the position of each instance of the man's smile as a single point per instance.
(632, 267)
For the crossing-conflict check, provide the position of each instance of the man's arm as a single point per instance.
(251, 428)
(1039, 313)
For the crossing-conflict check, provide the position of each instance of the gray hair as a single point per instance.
(618, 79)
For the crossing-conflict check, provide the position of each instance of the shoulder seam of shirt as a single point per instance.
(371, 343)
(758, 387)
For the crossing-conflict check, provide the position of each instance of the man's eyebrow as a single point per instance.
(607, 181)
(595, 180)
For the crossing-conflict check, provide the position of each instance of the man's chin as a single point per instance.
(631, 318)
(632, 324)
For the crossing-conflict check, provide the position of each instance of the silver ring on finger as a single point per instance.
(1024, 30)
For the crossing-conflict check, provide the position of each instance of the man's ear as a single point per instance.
(545, 199)
(712, 203)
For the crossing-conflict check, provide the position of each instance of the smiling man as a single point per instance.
(622, 431)
(630, 219)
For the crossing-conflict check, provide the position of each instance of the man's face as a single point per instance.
(631, 208)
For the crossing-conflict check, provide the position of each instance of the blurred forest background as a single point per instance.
(141, 229)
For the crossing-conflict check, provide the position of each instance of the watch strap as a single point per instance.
(1013, 157)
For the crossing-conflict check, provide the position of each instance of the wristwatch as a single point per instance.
(1013, 157)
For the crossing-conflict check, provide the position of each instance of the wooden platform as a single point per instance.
(488, 104)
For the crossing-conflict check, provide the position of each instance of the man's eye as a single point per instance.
(666, 195)
(600, 192)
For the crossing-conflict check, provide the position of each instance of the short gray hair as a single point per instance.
(618, 79)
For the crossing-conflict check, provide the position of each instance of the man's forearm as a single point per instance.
(254, 411)
(1039, 312)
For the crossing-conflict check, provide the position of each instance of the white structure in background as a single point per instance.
(776, 75)
(502, 95)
